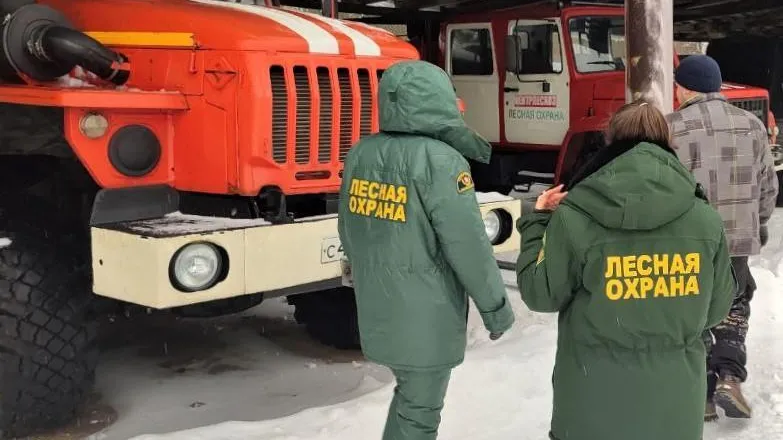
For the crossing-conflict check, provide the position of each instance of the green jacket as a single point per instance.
(411, 228)
(637, 266)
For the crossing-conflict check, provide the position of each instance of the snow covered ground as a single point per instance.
(261, 370)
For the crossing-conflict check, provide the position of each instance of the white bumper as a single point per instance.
(131, 261)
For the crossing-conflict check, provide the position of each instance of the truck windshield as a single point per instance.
(598, 43)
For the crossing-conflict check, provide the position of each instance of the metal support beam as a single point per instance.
(650, 52)
(329, 8)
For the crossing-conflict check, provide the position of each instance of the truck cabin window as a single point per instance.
(543, 53)
(471, 52)
(598, 44)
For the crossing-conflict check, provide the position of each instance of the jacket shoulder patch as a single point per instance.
(541, 251)
(464, 182)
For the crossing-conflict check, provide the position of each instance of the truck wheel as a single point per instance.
(329, 317)
(779, 201)
(48, 350)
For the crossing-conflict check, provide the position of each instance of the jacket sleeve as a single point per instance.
(454, 213)
(725, 286)
(767, 181)
(342, 208)
(547, 269)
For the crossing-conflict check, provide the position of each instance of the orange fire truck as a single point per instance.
(176, 154)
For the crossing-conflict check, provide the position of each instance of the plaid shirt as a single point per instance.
(727, 150)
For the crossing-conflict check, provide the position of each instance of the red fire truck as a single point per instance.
(540, 82)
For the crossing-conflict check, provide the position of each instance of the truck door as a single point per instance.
(536, 90)
(471, 62)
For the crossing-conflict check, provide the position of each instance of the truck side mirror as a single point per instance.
(515, 44)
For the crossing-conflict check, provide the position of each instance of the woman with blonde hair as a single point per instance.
(635, 262)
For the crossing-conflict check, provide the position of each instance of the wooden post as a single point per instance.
(649, 34)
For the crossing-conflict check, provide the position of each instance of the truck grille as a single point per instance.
(337, 91)
(346, 111)
(756, 106)
(279, 113)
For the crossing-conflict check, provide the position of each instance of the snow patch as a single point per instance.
(69, 82)
(5, 242)
(179, 223)
(503, 389)
(491, 197)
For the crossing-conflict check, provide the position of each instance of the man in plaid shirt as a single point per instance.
(727, 151)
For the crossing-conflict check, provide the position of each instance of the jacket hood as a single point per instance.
(634, 186)
(416, 97)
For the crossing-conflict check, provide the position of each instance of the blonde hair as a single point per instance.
(639, 122)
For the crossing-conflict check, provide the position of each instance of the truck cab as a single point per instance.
(541, 81)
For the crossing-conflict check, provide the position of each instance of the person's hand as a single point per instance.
(495, 336)
(763, 235)
(550, 199)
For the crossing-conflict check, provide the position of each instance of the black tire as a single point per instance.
(329, 317)
(779, 201)
(48, 347)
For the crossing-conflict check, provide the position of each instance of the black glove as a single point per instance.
(495, 336)
(763, 235)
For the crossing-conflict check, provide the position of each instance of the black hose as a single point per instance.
(70, 47)
(10, 6)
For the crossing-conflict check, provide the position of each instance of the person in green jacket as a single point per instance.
(635, 261)
(414, 237)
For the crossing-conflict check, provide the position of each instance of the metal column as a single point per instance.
(649, 33)
(329, 8)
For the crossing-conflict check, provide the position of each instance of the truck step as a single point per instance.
(535, 175)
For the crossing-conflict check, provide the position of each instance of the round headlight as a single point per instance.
(93, 125)
(196, 266)
(492, 225)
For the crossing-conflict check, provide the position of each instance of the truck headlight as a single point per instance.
(492, 225)
(196, 266)
(93, 125)
(498, 225)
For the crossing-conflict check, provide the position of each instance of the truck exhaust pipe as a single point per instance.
(40, 43)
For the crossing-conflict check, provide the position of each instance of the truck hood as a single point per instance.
(739, 91)
(222, 25)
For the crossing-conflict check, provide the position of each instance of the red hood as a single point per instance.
(736, 91)
(223, 25)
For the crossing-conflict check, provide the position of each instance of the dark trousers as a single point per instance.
(726, 353)
(414, 413)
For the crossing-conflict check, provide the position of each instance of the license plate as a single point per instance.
(331, 250)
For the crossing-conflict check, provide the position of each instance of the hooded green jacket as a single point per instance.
(637, 266)
(411, 228)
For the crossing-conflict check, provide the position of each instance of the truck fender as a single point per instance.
(578, 148)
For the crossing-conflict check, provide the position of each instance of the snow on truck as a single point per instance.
(540, 82)
(176, 154)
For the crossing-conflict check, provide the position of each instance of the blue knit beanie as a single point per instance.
(699, 73)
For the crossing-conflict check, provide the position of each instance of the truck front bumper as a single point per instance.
(132, 261)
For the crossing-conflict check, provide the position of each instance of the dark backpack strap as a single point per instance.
(700, 193)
